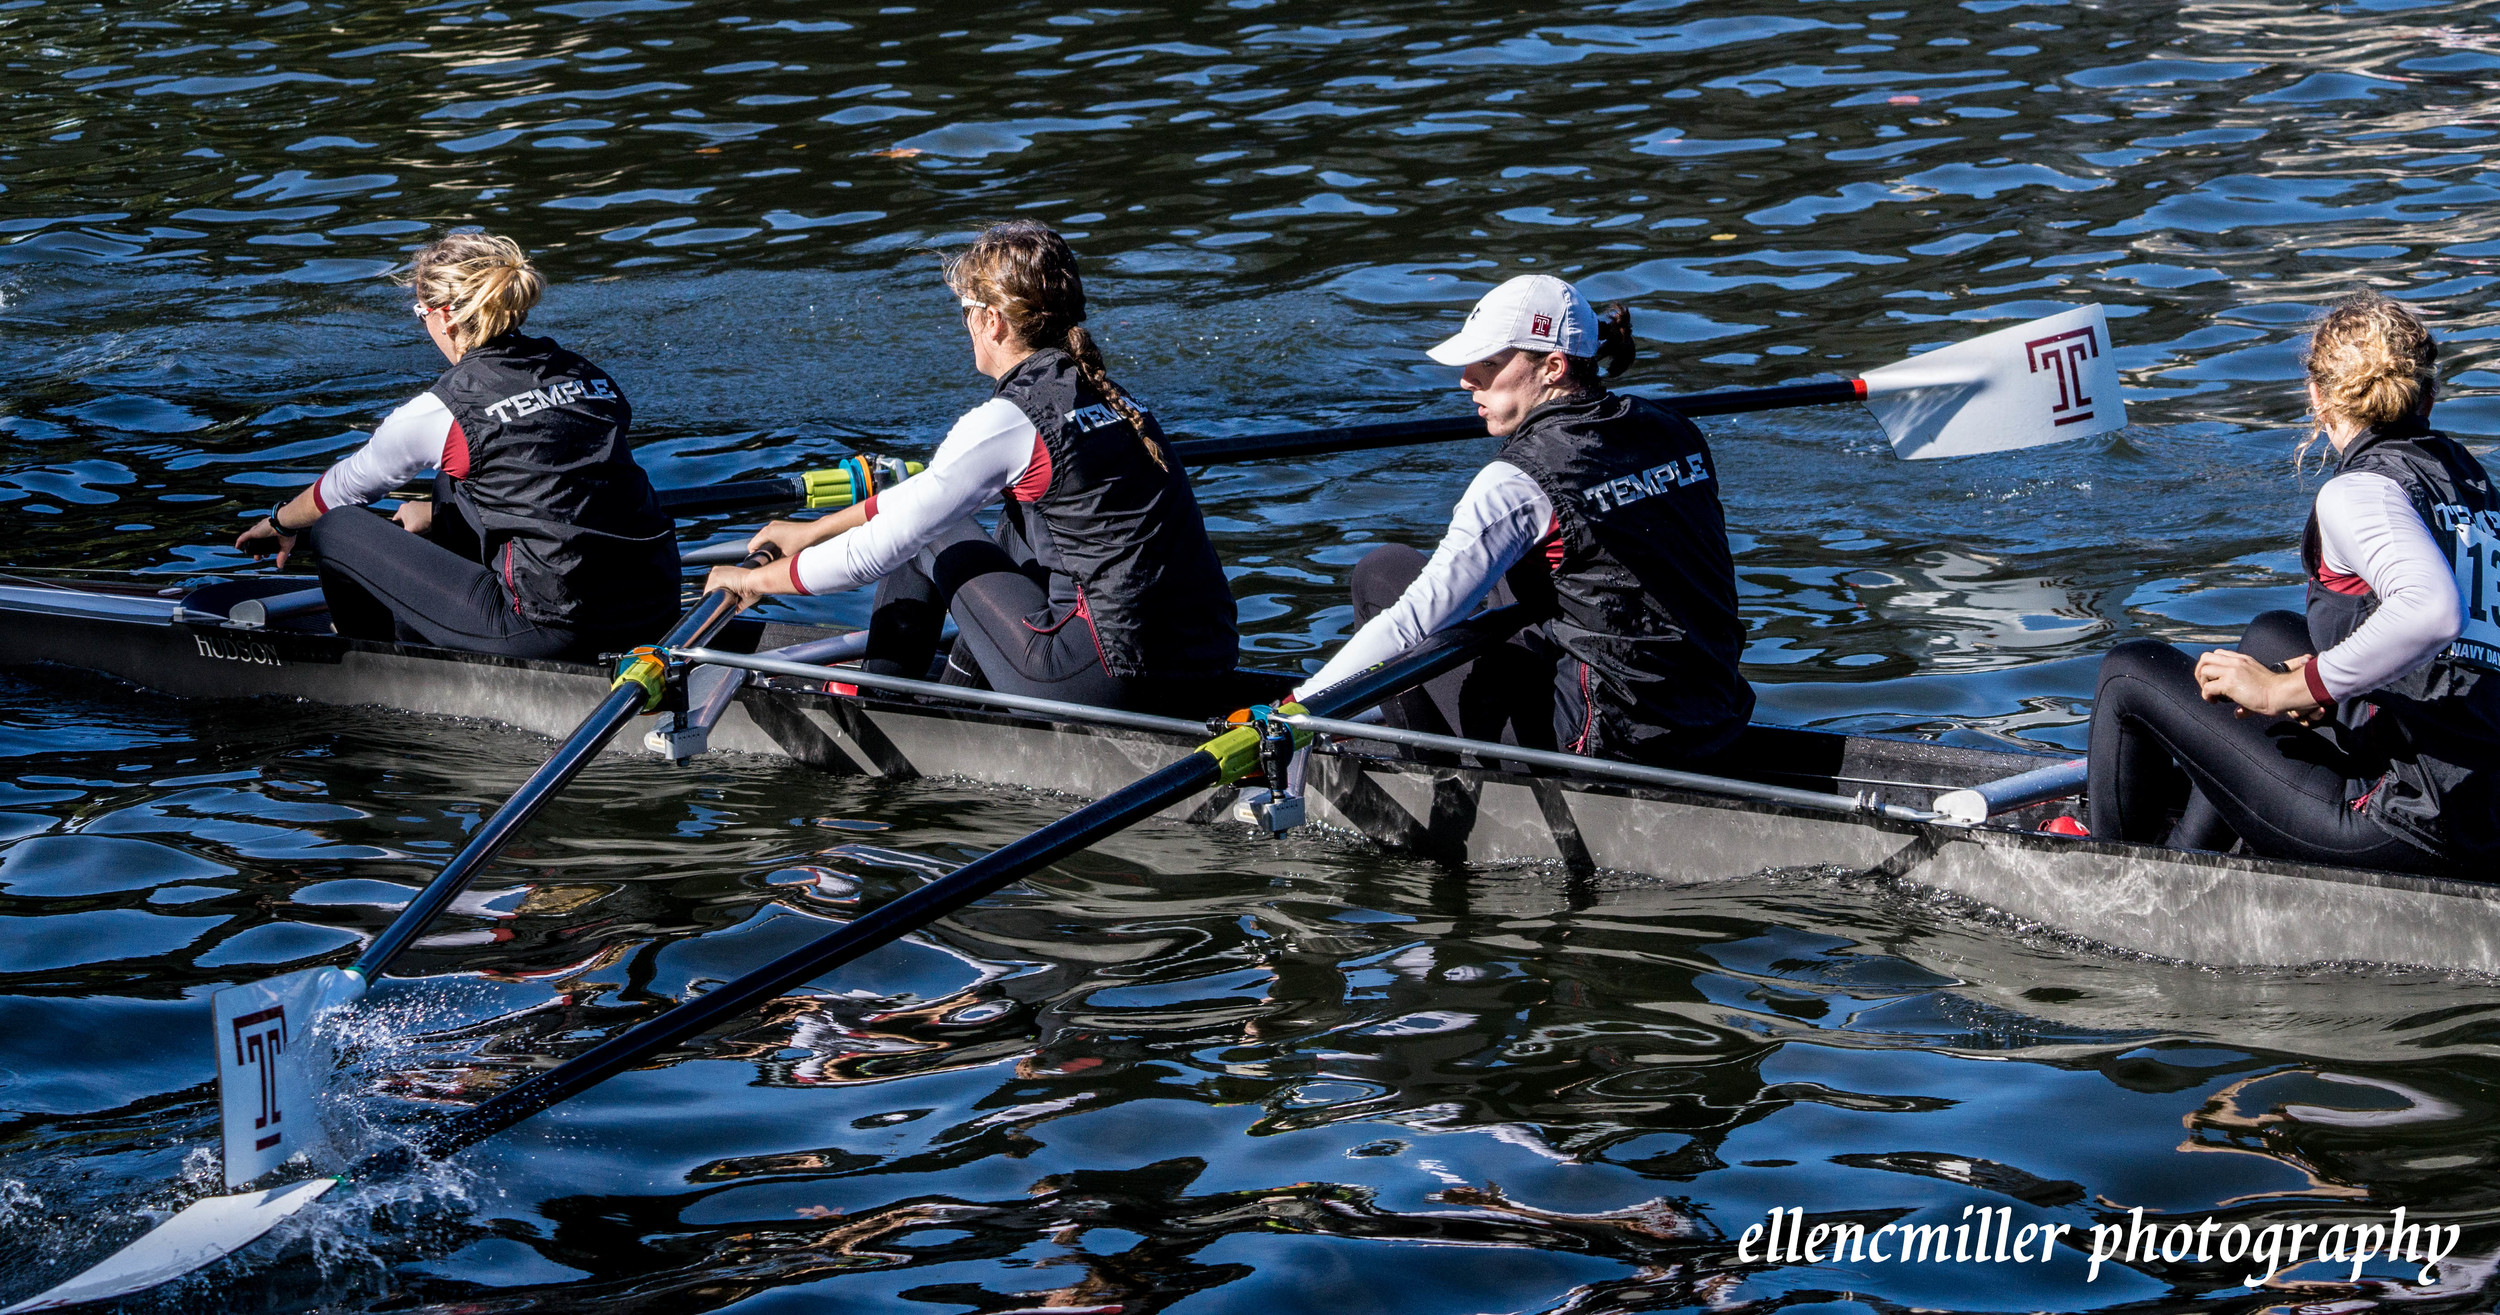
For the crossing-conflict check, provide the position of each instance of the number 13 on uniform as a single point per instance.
(2474, 557)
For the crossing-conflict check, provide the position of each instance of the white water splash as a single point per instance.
(17, 1202)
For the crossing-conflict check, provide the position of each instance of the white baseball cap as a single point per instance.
(1535, 311)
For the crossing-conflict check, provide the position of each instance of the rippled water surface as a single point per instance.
(1194, 1069)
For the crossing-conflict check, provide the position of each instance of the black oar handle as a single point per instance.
(790, 490)
(629, 697)
(909, 913)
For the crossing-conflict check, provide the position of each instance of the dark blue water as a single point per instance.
(1191, 1069)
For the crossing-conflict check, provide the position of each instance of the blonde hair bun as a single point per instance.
(2372, 362)
(485, 281)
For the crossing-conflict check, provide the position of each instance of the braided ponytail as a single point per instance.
(1088, 358)
(1027, 273)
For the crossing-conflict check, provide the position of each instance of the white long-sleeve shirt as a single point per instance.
(419, 436)
(1499, 519)
(2369, 531)
(991, 450)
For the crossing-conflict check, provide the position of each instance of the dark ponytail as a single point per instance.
(1027, 273)
(1614, 350)
(1614, 338)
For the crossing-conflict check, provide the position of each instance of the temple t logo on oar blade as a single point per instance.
(2042, 382)
(268, 1061)
(268, 1065)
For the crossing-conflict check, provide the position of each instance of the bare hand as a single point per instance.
(749, 584)
(2229, 676)
(416, 515)
(264, 538)
(790, 536)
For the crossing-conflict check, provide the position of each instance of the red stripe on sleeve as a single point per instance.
(321, 504)
(456, 452)
(1860, 385)
(2317, 683)
(868, 509)
(1035, 481)
(795, 586)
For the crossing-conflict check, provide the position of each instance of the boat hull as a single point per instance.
(2189, 906)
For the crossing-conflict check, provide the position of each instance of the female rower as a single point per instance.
(544, 538)
(1100, 585)
(1602, 515)
(2365, 734)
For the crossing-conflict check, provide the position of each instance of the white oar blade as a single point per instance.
(268, 1066)
(205, 1231)
(2042, 382)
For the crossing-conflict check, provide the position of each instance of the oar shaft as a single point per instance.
(1311, 442)
(739, 495)
(585, 743)
(788, 490)
(621, 705)
(1609, 769)
(909, 913)
(1439, 652)
(1739, 401)
(870, 931)
(1407, 433)
(1076, 712)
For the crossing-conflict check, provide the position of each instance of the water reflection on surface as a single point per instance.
(1191, 1065)
(1194, 1067)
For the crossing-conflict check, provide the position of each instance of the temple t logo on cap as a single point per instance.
(1533, 312)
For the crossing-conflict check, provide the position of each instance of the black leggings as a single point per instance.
(1524, 692)
(2285, 790)
(1009, 637)
(384, 583)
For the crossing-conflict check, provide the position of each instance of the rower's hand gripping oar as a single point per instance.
(263, 1029)
(211, 1229)
(2043, 382)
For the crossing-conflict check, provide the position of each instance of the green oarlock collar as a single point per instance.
(645, 667)
(828, 489)
(854, 479)
(1236, 751)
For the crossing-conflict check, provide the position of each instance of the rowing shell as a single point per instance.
(2190, 906)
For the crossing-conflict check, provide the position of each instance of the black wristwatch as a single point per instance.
(279, 525)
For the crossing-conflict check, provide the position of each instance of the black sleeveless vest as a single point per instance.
(1122, 538)
(562, 513)
(1643, 595)
(2432, 735)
